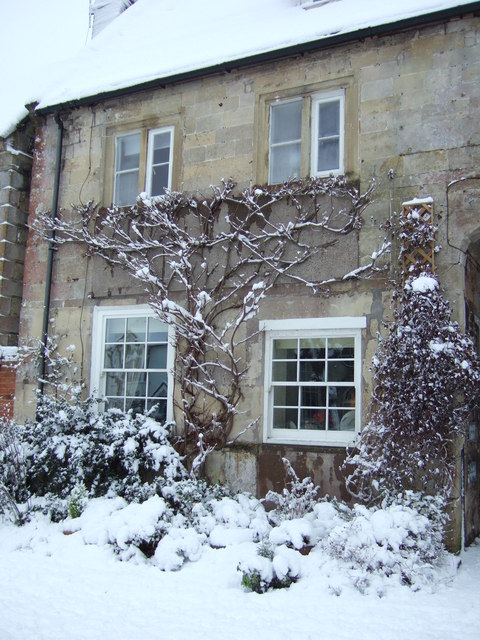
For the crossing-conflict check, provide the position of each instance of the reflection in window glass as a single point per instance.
(159, 161)
(135, 364)
(285, 140)
(313, 383)
(127, 168)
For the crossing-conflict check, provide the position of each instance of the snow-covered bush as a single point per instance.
(426, 382)
(396, 540)
(13, 489)
(71, 444)
(297, 498)
(187, 494)
(270, 568)
(78, 501)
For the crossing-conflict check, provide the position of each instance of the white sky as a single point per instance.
(160, 38)
(35, 35)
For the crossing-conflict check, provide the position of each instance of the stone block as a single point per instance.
(377, 89)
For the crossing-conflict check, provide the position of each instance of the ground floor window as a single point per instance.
(132, 360)
(312, 379)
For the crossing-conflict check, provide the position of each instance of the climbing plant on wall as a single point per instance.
(206, 262)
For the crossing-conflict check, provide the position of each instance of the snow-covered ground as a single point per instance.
(55, 585)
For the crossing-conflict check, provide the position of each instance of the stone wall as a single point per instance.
(412, 125)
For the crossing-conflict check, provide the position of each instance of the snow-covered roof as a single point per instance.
(35, 36)
(170, 39)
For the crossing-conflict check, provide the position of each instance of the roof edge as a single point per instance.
(269, 56)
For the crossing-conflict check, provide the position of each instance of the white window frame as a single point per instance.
(308, 146)
(311, 328)
(116, 171)
(98, 371)
(323, 98)
(272, 146)
(149, 169)
(145, 162)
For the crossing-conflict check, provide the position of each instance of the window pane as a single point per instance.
(285, 418)
(286, 121)
(126, 188)
(136, 384)
(135, 330)
(285, 349)
(115, 330)
(159, 409)
(115, 384)
(313, 397)
(115, 403)
(341, 397)
(339, 371)
(341, 347)
(159, 180)
(329, 119)
(312, 371)
(285, 162)
(157, 385)
(343, 419)
(134, 356)
(113, 356)
(285, 396)
(157, 356)
(284, 371)
(312, 348)
(161, 147)
(127, 152)
(312, 419)
(137, 405)
(328, 155)
(157, 330)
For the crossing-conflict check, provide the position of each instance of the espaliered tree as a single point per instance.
(206, 263)
(426, 382)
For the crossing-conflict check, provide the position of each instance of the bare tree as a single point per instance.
(206, 263)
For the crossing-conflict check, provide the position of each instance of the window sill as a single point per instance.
(323, 443)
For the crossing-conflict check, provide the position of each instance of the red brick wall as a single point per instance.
(7, 388)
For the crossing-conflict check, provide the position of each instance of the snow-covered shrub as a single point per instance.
(426, 382)
(396, 540)
(297, 498)
(77, 501)
(13, 489)
(177, 546)
(71, 444)
(139, 527)
(270, 568)
(186, 494)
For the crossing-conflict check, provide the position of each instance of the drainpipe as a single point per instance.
(51, 249)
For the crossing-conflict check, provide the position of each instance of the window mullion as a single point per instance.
(306, 137)
(142, 173)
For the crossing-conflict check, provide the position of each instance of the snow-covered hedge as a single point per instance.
(70, 445)
(151, 511)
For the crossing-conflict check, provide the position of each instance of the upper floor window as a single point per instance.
(143, 162)
(307, 136)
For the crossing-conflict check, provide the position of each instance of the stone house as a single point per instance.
(389, 95)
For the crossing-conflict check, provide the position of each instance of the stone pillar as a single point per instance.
(15, 169)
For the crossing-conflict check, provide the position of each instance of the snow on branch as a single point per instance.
(207, 263)
(426, 383)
